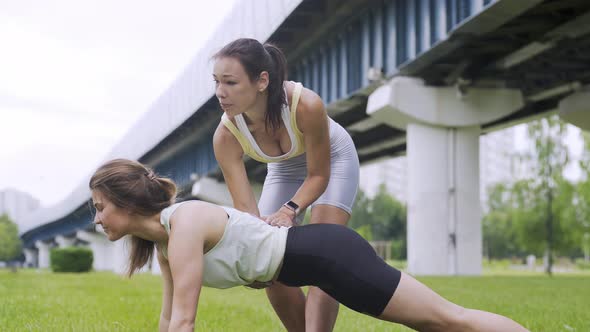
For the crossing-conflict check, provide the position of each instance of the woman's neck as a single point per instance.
(256, 114)
(150, 228)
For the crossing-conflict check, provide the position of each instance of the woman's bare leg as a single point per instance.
(321, 310)
(289, 304)
(417, 306)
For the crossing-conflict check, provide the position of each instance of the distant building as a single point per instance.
(392, 172)
(16, 204)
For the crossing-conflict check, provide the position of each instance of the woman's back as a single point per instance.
(249, 250)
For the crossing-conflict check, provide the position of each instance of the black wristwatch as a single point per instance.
(293, 207)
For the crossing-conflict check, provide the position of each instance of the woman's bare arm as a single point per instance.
(312, 120)
(229, 153)
(167, 291)
(185, 257)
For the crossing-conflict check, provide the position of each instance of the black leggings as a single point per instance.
(341, 263)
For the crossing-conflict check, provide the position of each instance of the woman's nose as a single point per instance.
(97, 220)
(219, 92)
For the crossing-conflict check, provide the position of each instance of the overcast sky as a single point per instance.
(76, 74)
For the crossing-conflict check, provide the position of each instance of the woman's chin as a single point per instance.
(113, 237)
(231, 111)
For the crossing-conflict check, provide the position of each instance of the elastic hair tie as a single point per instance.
(150, 175)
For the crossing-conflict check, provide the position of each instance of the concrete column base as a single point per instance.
(31, 257)
(444, 218)
(43, 249)
(64, 242)
(575, 109)
(108, 256)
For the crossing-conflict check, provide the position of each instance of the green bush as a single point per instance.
(365, 232)
(71, 259)
(582, 264)
(398, 249)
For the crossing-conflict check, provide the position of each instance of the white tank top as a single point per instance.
(249, 250)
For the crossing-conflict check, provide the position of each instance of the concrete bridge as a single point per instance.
(424, 78)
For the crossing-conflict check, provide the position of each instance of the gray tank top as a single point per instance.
(249, 250)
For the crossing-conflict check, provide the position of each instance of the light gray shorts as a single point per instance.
(284, 178)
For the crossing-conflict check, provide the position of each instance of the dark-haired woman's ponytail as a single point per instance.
(276, 94)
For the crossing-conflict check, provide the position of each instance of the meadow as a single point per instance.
(34, 300)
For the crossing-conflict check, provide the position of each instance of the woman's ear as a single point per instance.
(263, 81)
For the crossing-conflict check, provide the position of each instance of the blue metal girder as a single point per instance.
(197, 158)
(385, 35)
(77, 220)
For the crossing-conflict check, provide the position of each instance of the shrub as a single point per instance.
(365, 232)
(71, 259)
(399, 249)
(582, 264)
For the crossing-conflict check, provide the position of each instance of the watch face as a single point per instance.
(293, 205)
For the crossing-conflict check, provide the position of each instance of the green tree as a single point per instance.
(10, 244)
(499, 235)
(544, 195)
(530, 218)
(360, 214)
(365, 232)
(383, 216)
(582, 225)
(389, 216)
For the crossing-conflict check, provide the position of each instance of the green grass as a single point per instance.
(42, 301)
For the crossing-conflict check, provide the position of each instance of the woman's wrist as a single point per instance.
(288, 212)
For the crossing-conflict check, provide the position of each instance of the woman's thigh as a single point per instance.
(342, 186)
(282, 182)
(341, 263)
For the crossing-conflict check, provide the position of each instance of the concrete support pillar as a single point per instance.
(213, 191)
(63, 241)
(31, 258)
(443, 127)
(444, 218)
(43, 249)
(108, 256)
(575, 109)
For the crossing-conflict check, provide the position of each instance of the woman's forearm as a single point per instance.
(248, 205)
(311, 189)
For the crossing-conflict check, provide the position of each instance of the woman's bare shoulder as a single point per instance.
(309, 100)
(189, 212)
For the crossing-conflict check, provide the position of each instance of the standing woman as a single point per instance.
(311, 159)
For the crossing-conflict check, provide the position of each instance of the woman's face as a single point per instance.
(233, 88)
(111, 218)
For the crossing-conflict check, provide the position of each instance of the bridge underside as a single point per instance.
(544, 52)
